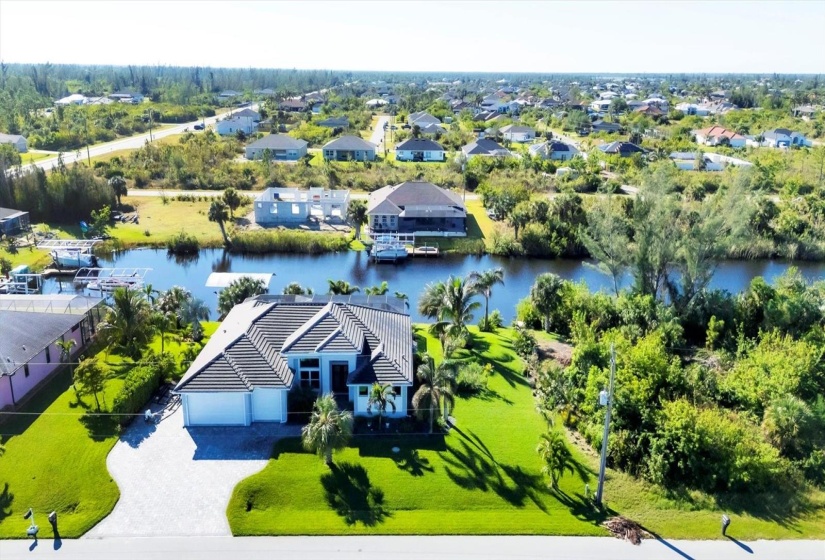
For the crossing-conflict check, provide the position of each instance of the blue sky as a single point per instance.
(543, 36)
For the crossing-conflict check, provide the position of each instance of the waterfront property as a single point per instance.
(417, 207)
(13, 221)
(280, 146)
(281, 205)
(419, 149)
(328, 344)
(30, 328)
(349, 148)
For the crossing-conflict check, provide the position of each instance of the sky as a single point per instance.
(430, 35)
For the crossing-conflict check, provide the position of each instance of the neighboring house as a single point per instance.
(74, 99)
(19, 142)
(419, 149)
(693, 109)
(432, 130)
(30, 328)
(651, 111)
(13, 221)
(556, 151)
(292, 105)
(349, 148)
(621, 149)
(784, 138)
(719, 136)
(231, 126)
(604, 126)
(270, 344)
(281, 205)
(228, 94)
(281, 148)
(422, 119)
(600, 105)
(516, 133)
(247, 113)
(127, 96)
(710, 161)
(485, 147)
(334, 122)
(417, 207)
(805, 112)
(373, 103)
(486, 116)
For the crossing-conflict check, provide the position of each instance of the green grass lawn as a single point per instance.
(479, 228)
(484, 478)
(55, 457)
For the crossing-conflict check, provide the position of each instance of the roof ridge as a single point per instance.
(292, 339)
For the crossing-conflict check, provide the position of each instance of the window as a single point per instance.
(396, 390)
(363, 391)
(309, 373)
(48, 355)
(26, 370)
(273, 209)
(260, 205)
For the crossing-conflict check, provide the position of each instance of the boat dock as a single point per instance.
(108, 279)
(424, 251)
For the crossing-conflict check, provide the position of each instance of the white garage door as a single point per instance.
(266, 405)
(215, 409)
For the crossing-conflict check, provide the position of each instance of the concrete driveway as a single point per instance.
(176, 481)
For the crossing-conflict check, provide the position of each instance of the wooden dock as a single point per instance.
(423, 251)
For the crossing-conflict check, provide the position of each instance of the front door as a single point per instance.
(339, 372)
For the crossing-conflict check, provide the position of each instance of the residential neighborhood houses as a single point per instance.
(718, 135)
(419, 149)
(349, 148)
(278, 147)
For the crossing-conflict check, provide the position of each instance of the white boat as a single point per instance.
(388, 252)
(73, 258)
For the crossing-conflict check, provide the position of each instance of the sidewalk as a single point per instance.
(406, 548)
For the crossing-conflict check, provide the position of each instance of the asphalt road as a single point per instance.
(405, 548)
(377, 137)
(129, 143)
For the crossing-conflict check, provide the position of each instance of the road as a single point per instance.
(405, 548)
(173, 194)
(129, 143)
(377, 137)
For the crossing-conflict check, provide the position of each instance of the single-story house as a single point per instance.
(334, 122)
(516, 133)
(600, 105)
(293, 105)
(127, 96)
(432, 130)
(719, 136)
(805, 112)
(19, 142)
(621, 149)
(281, 148)
(282, 205)
(650, 110)
(485, 147)
(30, 328)
(604, 126)
(269, 344)
(13, 221)
(784, 138)
(349, 148)
(231, 126)
(700, 110)
(422, 119)
(73, 99)
(419, 149)
(417, 207)
(710, 161)
(555, 150)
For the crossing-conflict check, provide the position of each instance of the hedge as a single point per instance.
(137, 389)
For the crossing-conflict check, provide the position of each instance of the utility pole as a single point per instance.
(606, 398)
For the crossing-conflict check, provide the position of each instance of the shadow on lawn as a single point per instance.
(350, 493)
(408, 458)
(100, 425)
(6, 499)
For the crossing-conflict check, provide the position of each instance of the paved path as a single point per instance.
(408, 548)
(177, 481)
(377, 137)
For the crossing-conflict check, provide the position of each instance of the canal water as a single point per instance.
(409, 277)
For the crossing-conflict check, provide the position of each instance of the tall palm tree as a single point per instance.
(380, 397)
(458, 306)
(357, 215)
(342, 287)
(328, 428)
(118, 184)
(546, 295)
(437, 389)
(193, 311)
(172, 301)
(162, 321)
(379, 290)
(128, 321)
(219, 213)
(556, 457)
(483, 283)
(431, 302)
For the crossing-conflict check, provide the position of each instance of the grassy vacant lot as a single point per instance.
(483, 478)
(55, 457)
(479, 229)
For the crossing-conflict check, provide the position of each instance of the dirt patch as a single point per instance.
(626, 529)
(559, 352)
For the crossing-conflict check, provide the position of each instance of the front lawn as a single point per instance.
(482, 478)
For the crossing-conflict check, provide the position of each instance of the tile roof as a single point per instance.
(252, 346)
(412, 193)
(278, 142)
(349, 143)
(719, 132)
(420, 144)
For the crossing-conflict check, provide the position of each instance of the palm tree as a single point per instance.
(66, 355)
(151, 294)
(357, 215)
(239, 291)
(118, 185)
(785, 422)
(437, 388)
(380, 397)
(379, 290)
(232, 199)
(128, 322)
(173, 301)
(546, 295)
(458, 307)
(328, 429)
(162, 321)
(556, 457)
(295, 289)
(431, 302)
(483, 283)
(342, 287)
(193, 311)
(219, 213)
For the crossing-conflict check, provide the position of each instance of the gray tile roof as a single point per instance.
(10, 138)
(252, 346)
(278, 142)
(516, 129)
(484, 147)
(349, 143)
(9, 212)
(23, 335)
(621, 148)
(420, 144)
(412, 193)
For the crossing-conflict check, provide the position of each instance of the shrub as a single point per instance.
(286, 241)
(183, 244)
(137, 389)
(524, 343)
(472, 378)
(491, 324)
(527, 314)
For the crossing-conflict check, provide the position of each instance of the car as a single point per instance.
(198, 127)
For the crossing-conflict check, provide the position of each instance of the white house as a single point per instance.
(267, 345)
(127, 96)
(693, 109)
(281, 148)
(73, 99)
(233, 125)
(19, 142)
(422, 119)
(419, 149)
(719, 136)
(555, 151)
(784, 138)
(600, 105)
(283, 205)
(349, 148)
(516, 133)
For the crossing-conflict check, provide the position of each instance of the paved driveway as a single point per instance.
(177, 481)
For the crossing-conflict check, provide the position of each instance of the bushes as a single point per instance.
(287, 241)
(183, 244)
(137, 389)
(472, 378)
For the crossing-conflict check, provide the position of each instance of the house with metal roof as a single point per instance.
(281, 148)
(349, 148)
(417, 207)
(419, 149)
(270, 344)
